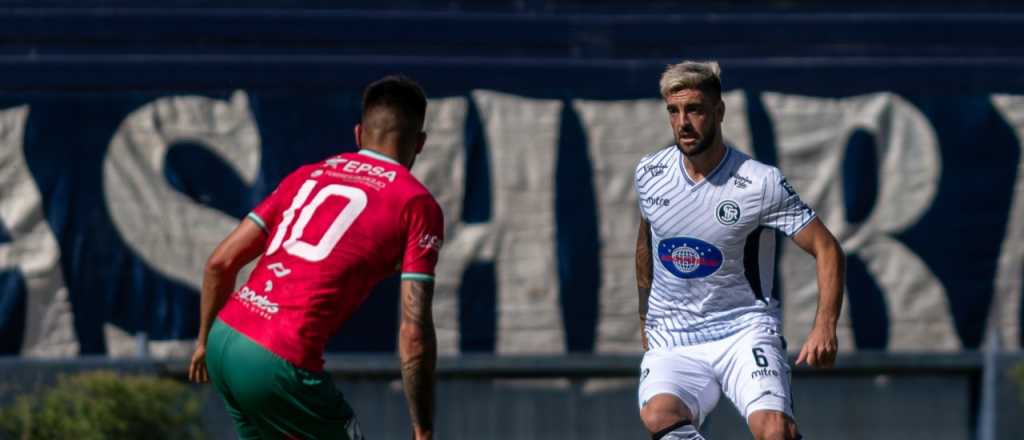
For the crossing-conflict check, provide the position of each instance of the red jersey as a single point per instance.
(335, 229)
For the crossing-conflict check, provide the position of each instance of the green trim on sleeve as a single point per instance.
(259, 222)
(413, 276)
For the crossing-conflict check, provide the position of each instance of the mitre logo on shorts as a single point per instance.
(728, 212)
(687, 257)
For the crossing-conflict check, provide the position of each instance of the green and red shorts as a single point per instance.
(269, 398)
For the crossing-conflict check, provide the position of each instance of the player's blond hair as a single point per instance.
(701, 75)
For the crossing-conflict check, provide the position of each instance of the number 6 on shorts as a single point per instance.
(759, 358)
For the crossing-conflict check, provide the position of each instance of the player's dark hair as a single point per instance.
(401, 97)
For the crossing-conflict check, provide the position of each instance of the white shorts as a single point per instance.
(750, 367)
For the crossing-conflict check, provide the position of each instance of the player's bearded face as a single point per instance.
(695, 120)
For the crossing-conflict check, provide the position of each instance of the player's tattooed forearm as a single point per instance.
(644, 266)
(419, 352)
(645, 294)
(418, 378)
(418, 298)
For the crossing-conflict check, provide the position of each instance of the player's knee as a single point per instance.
(791, 432)
(771, 434)
(771, 425)
(663, 411)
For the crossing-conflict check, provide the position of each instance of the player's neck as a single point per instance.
(390, 153)
(699, 166)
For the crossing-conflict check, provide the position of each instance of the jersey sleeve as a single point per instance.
(268, 212)
(638, 177)
(424, 234)
(781, 207)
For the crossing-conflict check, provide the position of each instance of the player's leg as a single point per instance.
(772, 425)
(666, 417)
(282, 401)
(219, 339)
(311, 406)
(755, 375)
(676, 392)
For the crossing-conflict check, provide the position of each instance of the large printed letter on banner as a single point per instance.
(172, 233)
(522, 139)
(441, 168)
(618, 134)
(33, 251)
(811, 136)
(1009, 289)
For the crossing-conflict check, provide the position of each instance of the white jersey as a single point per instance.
(713, 245)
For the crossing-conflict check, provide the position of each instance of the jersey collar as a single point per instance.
(686, 176)
(378, 156)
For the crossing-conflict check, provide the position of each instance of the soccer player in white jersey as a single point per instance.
(704, 264)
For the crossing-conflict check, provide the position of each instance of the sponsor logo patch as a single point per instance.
(655, 169)
(279, 269)
(728, 212)
(655, 201)
(740, 181)
(357, 167)
(255, 302)
(764, 372)
(786, 186)
(687, 257)
(428, 241)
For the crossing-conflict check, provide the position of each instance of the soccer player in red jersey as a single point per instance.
(328, 233)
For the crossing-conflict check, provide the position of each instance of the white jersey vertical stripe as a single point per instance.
(713, 245)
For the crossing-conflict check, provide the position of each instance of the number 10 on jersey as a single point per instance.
(316, 252)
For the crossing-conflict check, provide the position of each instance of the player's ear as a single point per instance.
(721, 109)
(358, 132)
(421, 140)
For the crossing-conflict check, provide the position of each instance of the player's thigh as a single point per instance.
(682, 375)
(281, 400)
(311, 406)
(755, 372)
(219, 339)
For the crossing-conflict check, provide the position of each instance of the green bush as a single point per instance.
(104, 405)
(1017, 372)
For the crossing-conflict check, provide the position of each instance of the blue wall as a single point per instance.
(82, 71)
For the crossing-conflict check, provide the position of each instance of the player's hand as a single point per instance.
(820, 348)
(197, 369)
(422, 434)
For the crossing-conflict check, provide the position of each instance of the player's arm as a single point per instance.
(417, 348)
(644, 274)
(821, 346)
(240, 247)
